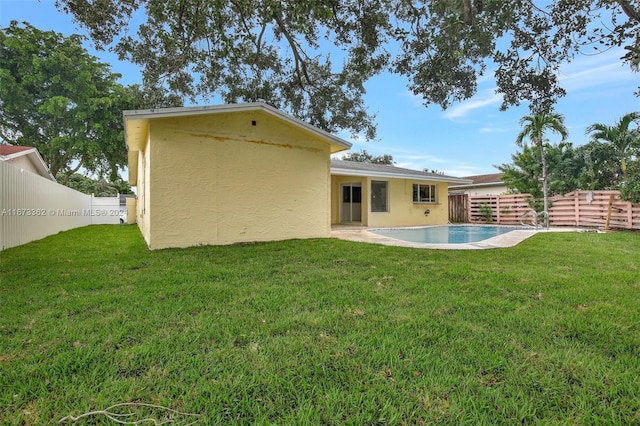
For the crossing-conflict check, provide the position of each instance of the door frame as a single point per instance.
(349, 186)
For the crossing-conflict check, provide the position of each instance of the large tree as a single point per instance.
(534, 128)
(57, 97)
(312, 58)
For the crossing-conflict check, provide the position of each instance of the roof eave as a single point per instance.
(42, 166)
(337, 144)
(431, 178)
(479, 185)
(36, 159)
(19, 154)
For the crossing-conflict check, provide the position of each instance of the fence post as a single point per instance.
(576, 207)
(609, 208)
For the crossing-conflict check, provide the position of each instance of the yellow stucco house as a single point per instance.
(248, 172)
(227, 174)
(379, 196)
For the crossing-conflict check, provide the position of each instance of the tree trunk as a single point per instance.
(466, 12)
(545, 183)
(68, 175)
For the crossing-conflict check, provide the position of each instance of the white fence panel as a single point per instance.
(32, 207)
(105, 210)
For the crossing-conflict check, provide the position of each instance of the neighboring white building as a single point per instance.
(491, 184)
(25, 158)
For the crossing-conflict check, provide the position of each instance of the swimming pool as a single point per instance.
(450, 234)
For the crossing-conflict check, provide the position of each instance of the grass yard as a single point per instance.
(321, 331)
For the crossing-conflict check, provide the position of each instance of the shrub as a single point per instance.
(486, 212)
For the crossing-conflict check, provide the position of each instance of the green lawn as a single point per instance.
(322, 331)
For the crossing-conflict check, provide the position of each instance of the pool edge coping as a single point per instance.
(509, 239)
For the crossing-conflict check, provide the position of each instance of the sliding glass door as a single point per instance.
(351, 205)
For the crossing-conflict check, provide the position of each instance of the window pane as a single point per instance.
(379, 196)
(346, 194)
(423, 193)
(356, 191)
(351, 194)
(432, 193)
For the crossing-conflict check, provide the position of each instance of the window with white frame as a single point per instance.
(424, 193)
(379, 196)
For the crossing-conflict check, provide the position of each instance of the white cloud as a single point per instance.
(412, 99)
(494, 130)
(415, 158)
(465, 171)
(603, 69)
(448, 167)
(484, 99)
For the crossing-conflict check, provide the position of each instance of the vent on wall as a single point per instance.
(253, 122)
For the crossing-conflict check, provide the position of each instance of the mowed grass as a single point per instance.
(322, 331)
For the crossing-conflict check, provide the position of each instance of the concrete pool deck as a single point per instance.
(363, 234)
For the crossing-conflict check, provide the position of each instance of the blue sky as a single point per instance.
(469, 138)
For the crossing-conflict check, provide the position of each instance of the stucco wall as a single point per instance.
(227, 178)
(131, 210)
(402, 210)
(336, 196)
(143, 185)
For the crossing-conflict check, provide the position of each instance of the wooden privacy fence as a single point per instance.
(458, 208)
(579, 208)
(505, 209)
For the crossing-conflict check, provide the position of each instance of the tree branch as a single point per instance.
(466, 12)
(629, 10)
(71, 172)
(301, 66)
(537, 8)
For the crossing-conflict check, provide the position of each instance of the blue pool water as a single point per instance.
(452, 234)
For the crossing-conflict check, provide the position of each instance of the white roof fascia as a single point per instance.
(478, 185)
(209, 109)
(42, 165)
(436, 178)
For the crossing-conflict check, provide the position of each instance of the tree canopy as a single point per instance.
(524, 174)
(363, 156)
(611, 160)
(58, 98)
(312, 58)
(622, 139)
(99, 187)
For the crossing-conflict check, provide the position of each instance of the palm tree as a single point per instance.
(534, 129)
(618, 137)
